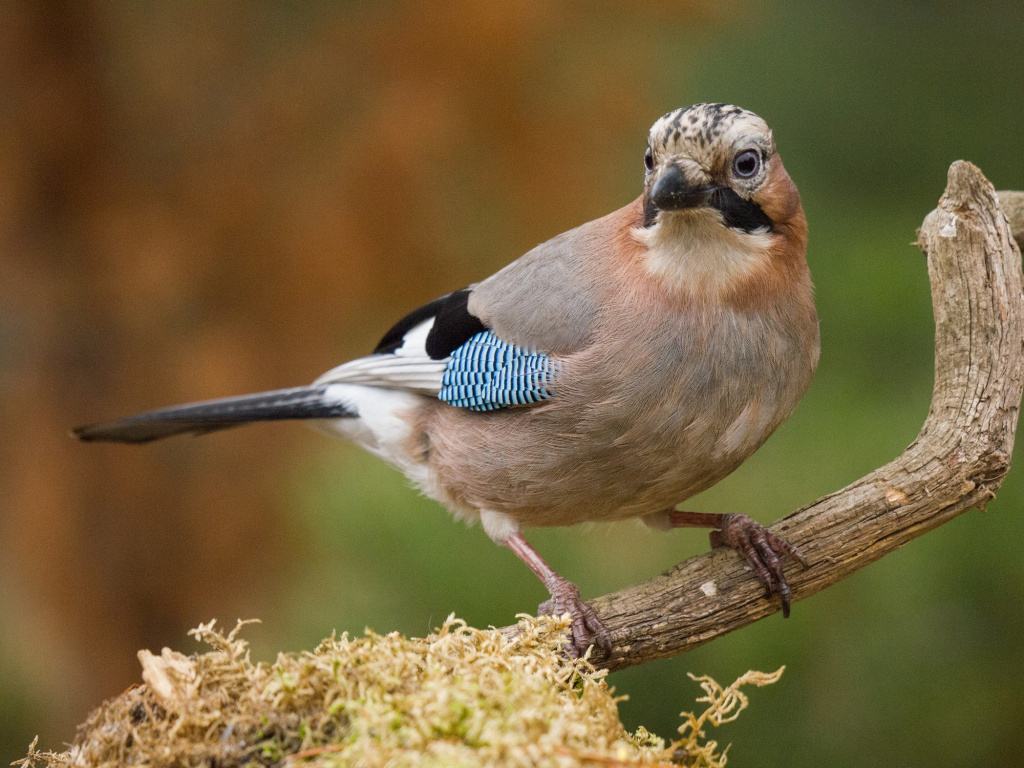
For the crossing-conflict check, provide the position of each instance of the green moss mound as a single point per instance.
(459, 697)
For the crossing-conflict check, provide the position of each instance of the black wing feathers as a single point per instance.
(454, 325)
(395, 337)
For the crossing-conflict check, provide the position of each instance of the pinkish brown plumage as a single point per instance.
(611, 372)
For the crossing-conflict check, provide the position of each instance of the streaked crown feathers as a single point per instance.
(709, 134)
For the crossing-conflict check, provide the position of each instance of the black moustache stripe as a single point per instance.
(650, 212)
(737, 212)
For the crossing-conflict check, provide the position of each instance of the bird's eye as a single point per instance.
(649, 159)
(747, 163)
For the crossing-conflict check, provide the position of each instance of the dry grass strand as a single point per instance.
(459, 697)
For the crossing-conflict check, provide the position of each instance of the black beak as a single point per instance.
(671, 192)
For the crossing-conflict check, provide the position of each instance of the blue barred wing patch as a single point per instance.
(486, 374)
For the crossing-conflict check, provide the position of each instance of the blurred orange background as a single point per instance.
(205, 199)
(199, 200)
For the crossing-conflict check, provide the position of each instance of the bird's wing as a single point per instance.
(548, 299)
(496, 344)
(443, 350)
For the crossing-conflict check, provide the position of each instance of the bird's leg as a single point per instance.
(758, 546)
(565, 598)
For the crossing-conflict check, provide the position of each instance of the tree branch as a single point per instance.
(957, 462)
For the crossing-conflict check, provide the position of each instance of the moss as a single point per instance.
(459, 697)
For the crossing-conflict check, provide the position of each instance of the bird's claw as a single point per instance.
(762, 550)
(586, 628)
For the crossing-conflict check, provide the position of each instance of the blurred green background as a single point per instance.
(199, 200)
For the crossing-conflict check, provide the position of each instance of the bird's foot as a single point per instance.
(762, 550)
(587, 629)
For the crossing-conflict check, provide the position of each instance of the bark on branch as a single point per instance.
(957, 462)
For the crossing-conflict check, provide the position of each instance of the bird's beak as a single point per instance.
(672, 192)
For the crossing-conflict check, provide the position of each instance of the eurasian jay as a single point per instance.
(609, 373)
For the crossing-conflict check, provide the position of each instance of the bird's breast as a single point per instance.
(652, 411)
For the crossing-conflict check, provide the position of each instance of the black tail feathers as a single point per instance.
(211, 415)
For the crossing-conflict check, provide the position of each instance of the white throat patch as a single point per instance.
(692, 251)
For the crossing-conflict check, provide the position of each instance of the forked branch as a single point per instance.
(957, 462)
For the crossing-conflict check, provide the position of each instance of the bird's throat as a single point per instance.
(695, 253)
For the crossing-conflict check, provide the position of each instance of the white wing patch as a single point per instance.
(420, 375)
(408, 368)
(414, 343)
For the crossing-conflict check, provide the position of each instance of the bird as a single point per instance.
(611, 372)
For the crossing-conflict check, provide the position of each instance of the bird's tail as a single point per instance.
(314, 402)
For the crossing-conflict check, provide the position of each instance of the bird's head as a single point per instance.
(717, 201)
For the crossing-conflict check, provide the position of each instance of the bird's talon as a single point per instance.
(586, 628)
(783, 545)
(762, 551)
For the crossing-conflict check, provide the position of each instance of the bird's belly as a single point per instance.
(636, 478)
(529, 466)
(634, 427)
